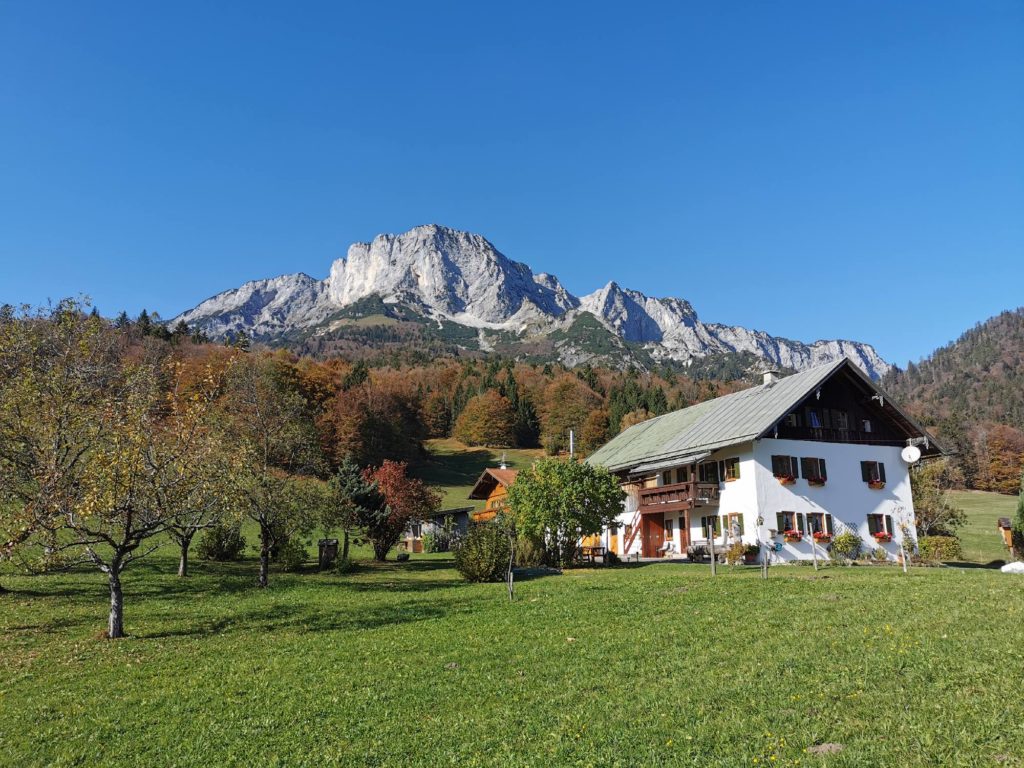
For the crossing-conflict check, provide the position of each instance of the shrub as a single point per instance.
(942, 548)
(529, 552)
(343, 565)
(483, 554)
(734, 554)
(879, 553)
(222, 542)
(847, 545)
(430, 543)
(402, 557)
(611, 558)
(291, 554)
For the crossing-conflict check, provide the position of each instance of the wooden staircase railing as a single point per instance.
(634, 528)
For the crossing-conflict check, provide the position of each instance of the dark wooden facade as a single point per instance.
(842, 410)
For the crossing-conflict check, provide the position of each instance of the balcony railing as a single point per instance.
(831, 435)
(680, 496)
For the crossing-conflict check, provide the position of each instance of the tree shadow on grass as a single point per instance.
(454, 469)
(293, 618)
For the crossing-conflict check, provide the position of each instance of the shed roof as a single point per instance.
(728, 420)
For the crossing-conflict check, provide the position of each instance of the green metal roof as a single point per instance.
(713, 424)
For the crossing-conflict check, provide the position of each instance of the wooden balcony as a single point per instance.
(678, 496)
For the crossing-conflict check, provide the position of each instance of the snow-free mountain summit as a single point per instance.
(460, 283)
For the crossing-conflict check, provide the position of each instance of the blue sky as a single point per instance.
(817, 170)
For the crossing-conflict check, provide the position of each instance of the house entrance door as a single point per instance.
(652, 533)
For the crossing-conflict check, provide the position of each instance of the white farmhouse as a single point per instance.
(784, 466)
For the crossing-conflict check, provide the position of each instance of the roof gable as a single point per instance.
(729, 420)
(490, 478)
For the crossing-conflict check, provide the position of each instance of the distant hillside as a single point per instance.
(978, 378)
(971, 393)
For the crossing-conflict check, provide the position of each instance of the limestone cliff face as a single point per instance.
(446, 274)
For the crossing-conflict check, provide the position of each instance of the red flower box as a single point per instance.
(822, 538)
(817, 482)
(876, 484)
(882, 537)
(785, 479)
(793, 536)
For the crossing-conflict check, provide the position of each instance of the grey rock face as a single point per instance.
(461, 277)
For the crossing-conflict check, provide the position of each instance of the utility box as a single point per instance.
(328, 553)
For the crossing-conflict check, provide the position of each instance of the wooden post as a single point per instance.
(711, 546)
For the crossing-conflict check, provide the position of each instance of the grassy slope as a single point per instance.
(981, 541)
(407, 665)
(453, 468)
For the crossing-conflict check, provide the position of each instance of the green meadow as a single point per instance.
(401, 664)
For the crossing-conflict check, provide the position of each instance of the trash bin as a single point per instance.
(328, 552)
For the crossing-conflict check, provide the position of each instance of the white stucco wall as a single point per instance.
(758, 493)
(845, 496)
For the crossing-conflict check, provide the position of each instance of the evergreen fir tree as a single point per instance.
(143, 323)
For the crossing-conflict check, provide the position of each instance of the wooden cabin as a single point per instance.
(492, 488)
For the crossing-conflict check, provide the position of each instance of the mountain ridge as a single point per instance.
(448, 276)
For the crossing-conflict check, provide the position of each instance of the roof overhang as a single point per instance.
(675, 461)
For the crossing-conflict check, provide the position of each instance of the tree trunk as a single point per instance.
(261, 581)
(115, 627)
(344, 546)
(184, 542)
(380, 551)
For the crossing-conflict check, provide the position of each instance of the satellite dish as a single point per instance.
(911, 454)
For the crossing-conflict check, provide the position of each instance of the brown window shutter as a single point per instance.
(881, 471)
(865, 471)
(823, 474)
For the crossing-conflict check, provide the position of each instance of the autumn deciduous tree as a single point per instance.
(273, 447)
(98, 453)
(594, 433)
(487, 419)
(373, 421)
(405, 499)
(567, 404)
(561, 501)
(1000, 451)
(934, 513)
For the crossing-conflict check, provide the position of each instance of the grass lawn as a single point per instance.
(404, 664)
(982, 543)
(453, 468)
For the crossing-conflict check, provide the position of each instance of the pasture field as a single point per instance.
(405, 665)
(452, 468)
(981, 541)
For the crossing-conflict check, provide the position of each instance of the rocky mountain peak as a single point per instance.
(445, 274)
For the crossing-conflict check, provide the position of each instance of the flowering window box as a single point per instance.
(882, 537)
(822, 538)
(785, 479)
(876, 485)
(792, 537)
(816, 482)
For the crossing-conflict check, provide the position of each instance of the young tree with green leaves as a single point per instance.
(560, 502)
